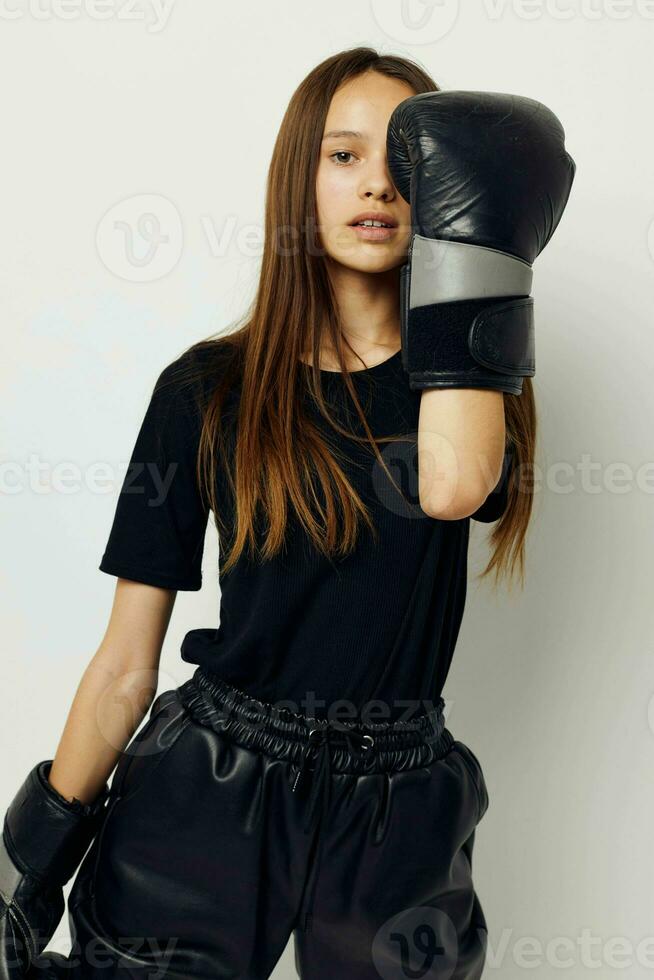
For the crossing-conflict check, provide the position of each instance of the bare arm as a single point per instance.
(461, 441)
(115, 691)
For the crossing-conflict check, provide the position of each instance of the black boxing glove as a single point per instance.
(44, 839)
(487, 177)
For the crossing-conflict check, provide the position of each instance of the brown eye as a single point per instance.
(341, 153)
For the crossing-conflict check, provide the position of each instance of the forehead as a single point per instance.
(362, 106)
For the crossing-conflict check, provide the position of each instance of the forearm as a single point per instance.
(461, 442)
(107, 708)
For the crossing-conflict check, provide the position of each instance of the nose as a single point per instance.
(377, 182)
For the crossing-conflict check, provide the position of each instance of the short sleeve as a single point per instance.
(159, 525)
(495, 503)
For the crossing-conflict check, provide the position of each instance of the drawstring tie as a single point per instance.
(318, 744)
(321, 736)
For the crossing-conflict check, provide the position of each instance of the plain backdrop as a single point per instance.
(135, 147)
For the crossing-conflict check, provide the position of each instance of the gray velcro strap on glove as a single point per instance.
(466, 316)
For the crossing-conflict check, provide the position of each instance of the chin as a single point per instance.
(368, 263)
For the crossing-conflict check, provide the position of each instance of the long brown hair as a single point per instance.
(280, 456)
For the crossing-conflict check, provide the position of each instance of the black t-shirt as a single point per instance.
(379, 625)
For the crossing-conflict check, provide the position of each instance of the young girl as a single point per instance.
(303, 780)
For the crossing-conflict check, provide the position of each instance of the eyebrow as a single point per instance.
(340, 133)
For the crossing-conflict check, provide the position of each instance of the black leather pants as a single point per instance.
(232, 824)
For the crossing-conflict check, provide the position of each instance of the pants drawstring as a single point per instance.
(321, 736)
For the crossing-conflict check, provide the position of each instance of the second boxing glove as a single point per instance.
(44, 838)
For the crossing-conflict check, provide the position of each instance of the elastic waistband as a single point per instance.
(316, 748)
(280, 732)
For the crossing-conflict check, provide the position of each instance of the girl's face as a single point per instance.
(353, 177)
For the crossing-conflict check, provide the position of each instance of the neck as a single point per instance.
(369, 308)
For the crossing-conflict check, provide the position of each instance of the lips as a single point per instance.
(387, 219)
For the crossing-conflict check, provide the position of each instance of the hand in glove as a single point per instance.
(487, 177)
(44, 839)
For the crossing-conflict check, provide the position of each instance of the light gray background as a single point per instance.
(115, 112)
